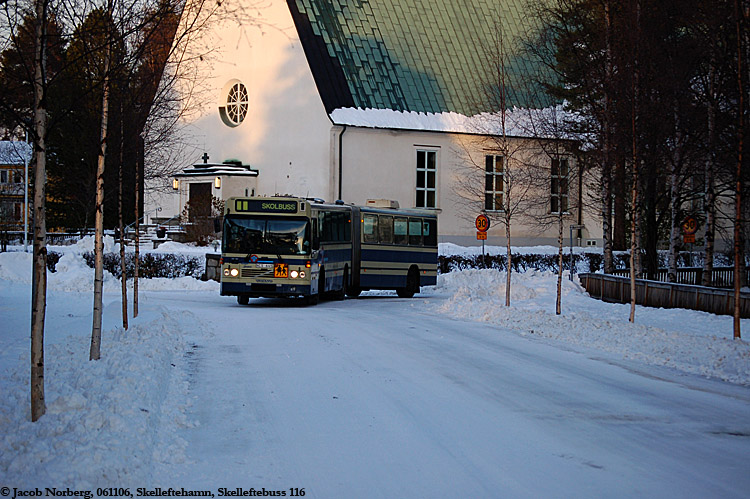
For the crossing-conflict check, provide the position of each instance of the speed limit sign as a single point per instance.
(482, 223)
(689, 226)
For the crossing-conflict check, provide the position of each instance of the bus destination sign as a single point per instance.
(265, 206)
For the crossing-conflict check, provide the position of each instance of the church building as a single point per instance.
(385, 99)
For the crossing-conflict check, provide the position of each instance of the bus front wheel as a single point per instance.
(243, 299)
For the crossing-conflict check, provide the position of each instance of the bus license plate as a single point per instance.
(281, 270)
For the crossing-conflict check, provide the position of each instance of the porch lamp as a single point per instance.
(175, 184)
(217, 182)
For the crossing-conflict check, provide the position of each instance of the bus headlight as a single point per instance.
(226, 272)
(294, 274)
(234, 272)
(302, 275)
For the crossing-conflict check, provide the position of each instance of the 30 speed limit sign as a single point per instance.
(482, 223)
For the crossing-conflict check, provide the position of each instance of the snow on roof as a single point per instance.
(199, 169)
(519, 122)
(13, 152)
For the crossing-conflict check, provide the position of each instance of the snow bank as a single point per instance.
(108, 421)
(87, 244)
(450, 249)
(689, 341)
(72, 274)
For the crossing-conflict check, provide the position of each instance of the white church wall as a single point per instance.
(286, 131)
(381, 163)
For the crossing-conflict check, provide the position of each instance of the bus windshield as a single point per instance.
(275, 236)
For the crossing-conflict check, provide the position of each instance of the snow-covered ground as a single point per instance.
(449, 393)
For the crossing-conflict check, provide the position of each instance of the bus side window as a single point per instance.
(370, 229)
(400, 231)
(315, 235)
(385, 229)
(341, 221)
(429, 230)
(322, 227)
(415, 232)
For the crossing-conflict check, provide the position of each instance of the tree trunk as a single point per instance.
(507, 274)
(123, 266)
(607, 149)
(39, 286)
(738, 186)
(674, 229)
(619, 218)
(558, 300)
(633, 238)
(96, 332)
(709, 203)
(674, 203)
(607, 222)
(137, 256)
(634, 251)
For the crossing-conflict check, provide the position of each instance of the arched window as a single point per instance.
(234, 111)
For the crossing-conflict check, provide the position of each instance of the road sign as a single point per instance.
(689, 226)
(481, 236)
(482, 223)
(688, 238)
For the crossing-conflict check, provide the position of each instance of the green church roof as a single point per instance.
(412, 55)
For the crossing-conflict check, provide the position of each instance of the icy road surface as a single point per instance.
(382, 397)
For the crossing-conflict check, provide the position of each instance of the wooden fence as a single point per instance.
(665, 295)
(722, 277)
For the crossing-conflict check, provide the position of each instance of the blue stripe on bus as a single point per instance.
(388, 255)
(337, 255)
(376, 281)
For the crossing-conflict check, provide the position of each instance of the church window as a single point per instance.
(559, 187)
(426, 179)
(494, 182)
(234, 110)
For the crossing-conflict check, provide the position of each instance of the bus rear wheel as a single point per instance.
(339, 294)
(412, 284)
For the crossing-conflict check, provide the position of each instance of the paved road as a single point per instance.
(382, 397)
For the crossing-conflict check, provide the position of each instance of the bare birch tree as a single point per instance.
(739, 14)
(39, 287)
(121, 228)
(634, 206)
(497, 184)
(96, 332)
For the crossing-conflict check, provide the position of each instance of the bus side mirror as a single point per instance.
(217, 224)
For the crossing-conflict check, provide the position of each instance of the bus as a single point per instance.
(394, 249)
(306, 248)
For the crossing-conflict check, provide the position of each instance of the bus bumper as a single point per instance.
(256, 290)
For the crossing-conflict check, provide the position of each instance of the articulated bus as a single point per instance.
(295, 247)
